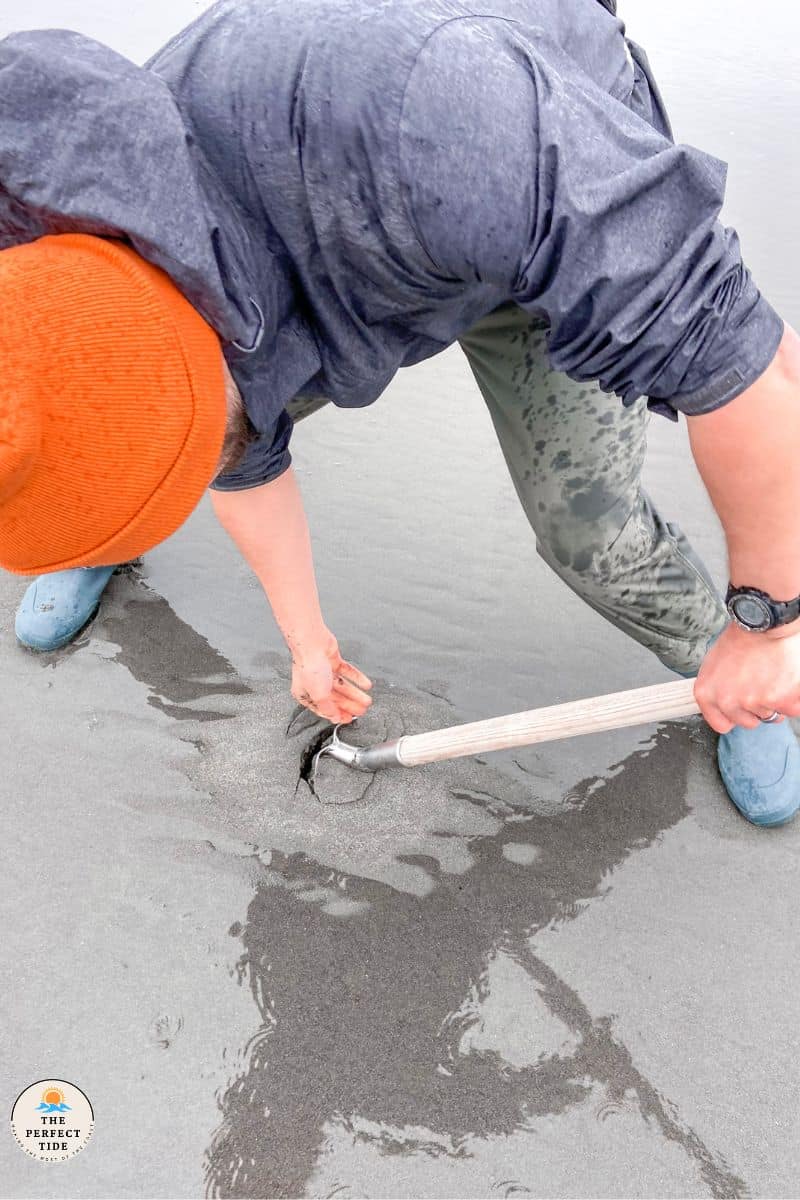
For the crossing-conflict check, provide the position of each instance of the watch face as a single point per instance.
(751, 612)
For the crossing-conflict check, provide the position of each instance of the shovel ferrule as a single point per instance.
(375, 758)
(363, 758)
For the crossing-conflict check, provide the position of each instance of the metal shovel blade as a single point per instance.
(363, 758)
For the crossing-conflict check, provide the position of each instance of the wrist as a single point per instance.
(754, 610)
(749, 637)
(782, 632)
(311, 645)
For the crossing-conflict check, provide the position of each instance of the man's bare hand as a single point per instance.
(329, 686)
(746, 677)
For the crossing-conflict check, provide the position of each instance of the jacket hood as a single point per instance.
(91, 143)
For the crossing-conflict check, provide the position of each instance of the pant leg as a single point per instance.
(575, 456)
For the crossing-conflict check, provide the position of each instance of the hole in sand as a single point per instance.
(333, 783)
(309, 753)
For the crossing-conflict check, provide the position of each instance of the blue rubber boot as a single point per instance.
(56, 607)
(761, 772)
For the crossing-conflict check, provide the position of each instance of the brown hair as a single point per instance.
(239, 430)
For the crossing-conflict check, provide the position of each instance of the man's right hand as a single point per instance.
(329, 686)
(746, 677)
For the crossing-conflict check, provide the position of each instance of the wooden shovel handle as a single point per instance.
(640, 706)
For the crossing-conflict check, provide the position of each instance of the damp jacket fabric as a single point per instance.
(342, 190)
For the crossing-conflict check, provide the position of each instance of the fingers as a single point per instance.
(330, 710)
(350, 690)
(334, 714)
(716, 718)
(766, 715)
(722, 716)
(347, 691)
(343, 704)
(724, 722)
(331, 713)
(324, 706)
(351, 673)
(747, 679)
(745, 719)
(354, 708)
(332, 688)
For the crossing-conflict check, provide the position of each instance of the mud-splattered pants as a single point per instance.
(575, 455)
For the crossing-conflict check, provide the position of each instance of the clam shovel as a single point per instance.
(597, 714)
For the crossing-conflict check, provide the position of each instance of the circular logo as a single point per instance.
(52, 1120)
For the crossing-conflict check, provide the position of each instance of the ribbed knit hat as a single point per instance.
(112, 404)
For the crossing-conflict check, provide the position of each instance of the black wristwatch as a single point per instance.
(757, 612)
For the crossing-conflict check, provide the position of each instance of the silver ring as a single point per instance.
(769, 720)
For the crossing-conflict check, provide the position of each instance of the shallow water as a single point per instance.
(542, 975)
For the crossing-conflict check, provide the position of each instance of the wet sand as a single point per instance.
(565, 971)
(562, 971)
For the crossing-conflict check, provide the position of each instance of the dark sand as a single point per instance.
(566, 971)
(563, 971)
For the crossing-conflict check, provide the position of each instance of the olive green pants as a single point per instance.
(575, 456)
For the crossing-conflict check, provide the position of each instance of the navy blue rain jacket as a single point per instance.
(342, 189)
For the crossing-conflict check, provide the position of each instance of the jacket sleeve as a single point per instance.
(283, 365)
(522, 173)
(266, 457)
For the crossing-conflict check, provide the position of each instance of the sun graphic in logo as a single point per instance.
(53, 1100)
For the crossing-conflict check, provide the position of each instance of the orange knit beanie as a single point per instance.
(112, 404)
